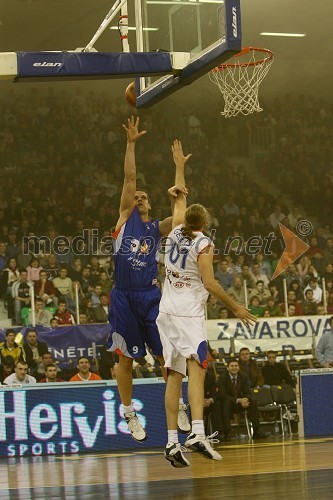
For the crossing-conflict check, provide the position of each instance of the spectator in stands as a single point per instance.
(255, 308)
(46, 360)
(291, 275)
(86, 283)
(272, 308)
(315, 253)
(328, 252)
(309, 304)
(107, 362)
(10, 348)
(10, 274)
(235, 397)
(20, 376)
(276, 217)
(21, 291)
(294, 217)
(101, 311)
(257, 275)
(95, 270)
(224, 313)
(291, 300)
(275, 373)
(3, 255)
(246, 275)
(51, 267)
(64, 287)
(44, 289)
(274, 291)
(63, 315)
(84, 374)
(7, 367)
(238, 291)
(74, 272)
(261, 292)
(83, 318)
(291, 310)
(34, 349)
(33, 270)
(212, 404)
(54, 323)
(328, 273)
(95, 296)
(296, 287)
(303, 267)
(324, 350)
(106, 283)
(230, 208)
(51, 374)
(317, 291)
(320, 310)
(250, 368)
(213, 308)
(264, 265)
(222, 274)
(253, 227)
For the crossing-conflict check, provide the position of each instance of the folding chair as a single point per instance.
(266, 403)
(285, 396)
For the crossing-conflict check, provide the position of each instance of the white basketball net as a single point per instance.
(239, 81)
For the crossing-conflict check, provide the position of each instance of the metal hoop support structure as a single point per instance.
(239, 80)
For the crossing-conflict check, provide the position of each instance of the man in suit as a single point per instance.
(212, 404)
(34, 350)
(235, 397)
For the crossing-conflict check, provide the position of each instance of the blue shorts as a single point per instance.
(132, 318)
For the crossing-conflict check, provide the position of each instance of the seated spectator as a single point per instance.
(291, 310)
(291, 300)
(95, 270)
(21, 291)
(213, 308)
(317, 291)
(83, 318)
(20, 376)
(212, 404)
(86, 282)
(324, 350)
(235, 396)
(320, 311)
(95, 300)
(276, 217)
(246, 275)
(74, 272)
(238, 291)
(54, 323)
(261, 292)
(42, 315)
(309, 304)
(257, 275)
(101, 311)
(88, 310)
(84, 374)
(64, 287)
(224, 313)
(223, 276)
(44, 289)
(10, 348)
(264, 265)
(295, 286)
(46, 360)
(274, 291)
(106, 283)
(250, 369)
(34, 349)
(51, 374)
(63, 315)
(33, 270)
(275, 373)
(51, 267)
(7, 367)
(9, 275)
(255, 308)
(273, 308)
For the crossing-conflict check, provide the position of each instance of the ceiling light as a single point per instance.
(295, 35)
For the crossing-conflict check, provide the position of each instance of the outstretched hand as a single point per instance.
(245, 316)
(132, 129)
(177, 151)
(174, 190)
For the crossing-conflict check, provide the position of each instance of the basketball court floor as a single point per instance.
(268, 469)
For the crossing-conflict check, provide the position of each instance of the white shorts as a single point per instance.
(182, 338)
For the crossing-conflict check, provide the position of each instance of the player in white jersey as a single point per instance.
(181, 320)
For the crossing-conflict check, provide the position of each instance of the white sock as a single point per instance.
(181, 401)
(173, 437)
(128, 409)
(198, 427)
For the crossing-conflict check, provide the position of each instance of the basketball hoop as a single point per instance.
(239, 81)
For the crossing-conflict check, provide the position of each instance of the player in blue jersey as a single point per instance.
(135, 297)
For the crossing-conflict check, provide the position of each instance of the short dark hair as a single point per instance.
(82, 357)
(53, 365)
(10, 330)
(103, 294)
(244, 349)
(232, 360)
(8, 361)
(61, 301)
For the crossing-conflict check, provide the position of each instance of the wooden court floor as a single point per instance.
(292, 469)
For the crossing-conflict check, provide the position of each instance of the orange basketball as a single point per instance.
(131, 95)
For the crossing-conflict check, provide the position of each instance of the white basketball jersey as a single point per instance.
(183, 291)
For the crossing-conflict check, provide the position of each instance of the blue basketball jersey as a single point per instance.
(135, 246)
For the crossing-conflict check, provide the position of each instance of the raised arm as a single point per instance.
(177, 193)
(129, 185)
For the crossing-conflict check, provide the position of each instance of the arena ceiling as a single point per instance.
(301, 64)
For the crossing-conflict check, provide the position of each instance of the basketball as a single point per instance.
(131, 95)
